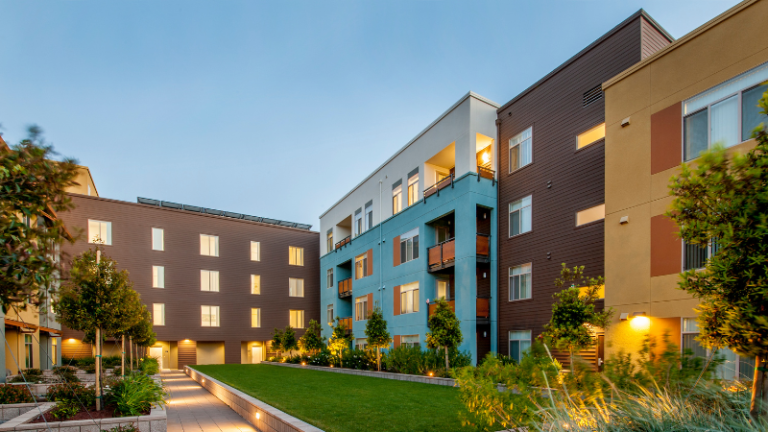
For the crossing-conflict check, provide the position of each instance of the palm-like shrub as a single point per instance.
(135, 395)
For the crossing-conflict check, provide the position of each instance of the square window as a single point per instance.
(296, 287)
(210, 316)
(409, 340)
(519, 343)
(209, 280)
(99, 232)
(409, 246)
(295, 256)
(209, 245)
(297, 319)
(520, 282)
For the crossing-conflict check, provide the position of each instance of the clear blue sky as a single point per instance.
(274, 108)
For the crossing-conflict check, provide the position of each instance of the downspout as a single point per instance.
(381, 251)
(495, 313)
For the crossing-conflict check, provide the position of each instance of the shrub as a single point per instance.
(72, 391)
(88, 368)
(150, 366)
(28, 375)
(65, 409)
(414, 360)
(129, 428)
(322, 358)
(12, 394)
(135, 395)
(66, 374)
(358, 359)
(111, 361)
(296, 359)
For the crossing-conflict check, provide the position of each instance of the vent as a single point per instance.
(592, 95)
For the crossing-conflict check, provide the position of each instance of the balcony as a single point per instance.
(483, 248)
(442, 255)
(435, 188)
(345, 288)
(486, 173)
(482, 307)
(433, 307)
(343, 241)
(347, 324)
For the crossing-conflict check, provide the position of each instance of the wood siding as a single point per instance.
(652, 39)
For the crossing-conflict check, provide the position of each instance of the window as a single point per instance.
(591, 214)
(361, 343)
(591, 136)
(209, 280)
(158, 277)
(733, 367)
(329, 277)
(361, 266)
(519, 343)
(368, 216)
(725, 114)
(158, 241)
(359, 222)
(520, 150)
(295, 256)
(413, 190)
(409, 340)
(255, 251)
(397, 203)
(256, 284)
(443, 291)
(361, 308)
(329, 315)
(329, 241)
(28, 351)
(520, 216)
(209, 245)
(210, 316)
(520, 282)
(695, 256)
(409, 298)
(158, 314)
(296, 287)
(54, 351)
(255, 317)
(99, 232)
(297, 318)
(409, 246)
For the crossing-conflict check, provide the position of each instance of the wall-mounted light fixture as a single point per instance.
(624, 220)
(625, 122)
(640, 321)
(486, 157)
(623, 316)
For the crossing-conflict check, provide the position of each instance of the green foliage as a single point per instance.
(376, 333)
(444, 329)
(289, 342)
(31, 375)
(72, 391)
(312, 340)
(415, 361)
(128, 428)
(66, 374)
(358, 359)
(13, 394)
(277, 341)
(339, 341)
(32, 187)
(64, 409)
(135, 395)
(321, 358)
(111, 361)
(149, 366)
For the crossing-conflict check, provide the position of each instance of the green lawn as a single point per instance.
(346, 403)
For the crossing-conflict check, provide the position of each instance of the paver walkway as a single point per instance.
(192, 408)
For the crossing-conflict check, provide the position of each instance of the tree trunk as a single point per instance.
(122, 358)
(130, 347)
(759, 389)
(378, 358)
(98, 369)
(447, 366)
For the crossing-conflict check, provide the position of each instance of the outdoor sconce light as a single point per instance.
(624, 220)
(640, 321)
(625, 122)
(484, 275)
(623, 316)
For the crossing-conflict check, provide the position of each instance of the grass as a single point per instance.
(346, 403)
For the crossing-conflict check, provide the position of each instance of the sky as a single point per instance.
(275, 108)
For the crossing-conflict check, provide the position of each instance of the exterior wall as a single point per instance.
(562, 179)
(131, 248)
(85, 184)
(644, 256)
(210, 353)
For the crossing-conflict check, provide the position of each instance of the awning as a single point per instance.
(22, 326)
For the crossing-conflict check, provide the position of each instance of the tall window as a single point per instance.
(592, 214)
(99, 232)
(409, 246)
(255, 317)
(695, 256)
(368, 216)
(519, 343)
(209, 280)
(255, 251)
(591, 136)
(329, 241)
(28, 351)
(520, 282)
(210, 316)
(296, 287)
(725, 114)
(443, 291)
(359, 223)
(361, 266)
(54, 351)
(295, 256)
(409, 298)
(329, 315)
(397, 200)
(297, 318)
(329, 278)
(158, 277)
(409, 340)
(255, 284)
(209, 245)
(520, 216)
(361, 308)
(413, 189)
(158, 314)
(520, 150)
(158, 240)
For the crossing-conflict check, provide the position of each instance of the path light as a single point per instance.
(331, 365)
(303, 363)
(258, 416)
(431, 374)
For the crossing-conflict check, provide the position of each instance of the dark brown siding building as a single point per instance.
(217, 283)
(551, 177)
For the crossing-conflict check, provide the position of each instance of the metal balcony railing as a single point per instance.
(343, 241)
(486, 173)
(435, 188)
(345, 288)
(442, 255)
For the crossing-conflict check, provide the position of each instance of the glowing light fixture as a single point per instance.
(431, 374)
(486, 157)
(640, 321)
(258, 416)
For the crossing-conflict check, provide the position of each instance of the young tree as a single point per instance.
(445, 329)
(377, 334)
(277, 341)
(724, 200)
(32, 189)
(574, 312)
(130, 313)
(339, 340)
(312, 340)
(289, 340)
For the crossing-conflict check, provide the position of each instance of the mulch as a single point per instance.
(83, 414)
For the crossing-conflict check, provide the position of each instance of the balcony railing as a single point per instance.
(483, 247)
(442, 255)
(486, 173)
(343, 241)
(347, 323)
(435, 188)
(433, 307)
(483, 307)
(345, 288)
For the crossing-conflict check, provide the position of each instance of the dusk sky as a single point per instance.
(274, 108)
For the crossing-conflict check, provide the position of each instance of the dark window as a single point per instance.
(695, 256)
(696, 134)
(751, 114)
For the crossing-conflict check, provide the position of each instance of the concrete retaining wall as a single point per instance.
(156, 421)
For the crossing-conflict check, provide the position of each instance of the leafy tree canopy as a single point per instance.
(312, 340)
(444, 329)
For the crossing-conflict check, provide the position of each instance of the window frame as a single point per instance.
(361, 343)
(209, 238)
(108, 225)
(154, 314)
(530, 281)
(576, 216)
(329, 314)
(296, 287)
(361, 308)
(413, 190)
(397, 198)
(710, 249)
(410, 344)
(158, 277)
(296, 256)
(447, 283)
(257, 313)
(255, 284)
(329, 242)
(162, 239)
(364, 266)
(290, 318)
(211, 308)
(210, 279)
(590, 144)
(411, 239)
(509, 216)
(329, 278)
(509, 343)
(255, 247)
(407, 290)
(510, 146)
(358, 225)
(368, 216)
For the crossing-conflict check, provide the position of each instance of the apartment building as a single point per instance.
(552, 180)
(416, 229)
(700, 90)
(216, 282)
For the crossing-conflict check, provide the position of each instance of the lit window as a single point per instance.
(521, 150)
(295, 256)
(443, 291)
(409, 298)
(158, 314)
(209, 245)
(209, 280)
(591, 214)
(255, 317)
(520, 282)
(519, 343)
(409, 341)
(158, 240)
(297, 318)
(329, 315)
(397, 200)
(99, 232)
(158, 277)
(361, 343)
(591, 136)
(413, 189)
(54, 351)
(409, 246)
(28, 358)
(329, 241)
(361, 266)
(296, 287)
(520, 216)
(329, 278)
(210, 316)
(255, 251)
(361, 308)
(255, 284)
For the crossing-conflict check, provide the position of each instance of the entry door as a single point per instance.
(256, 354)
(157, 352)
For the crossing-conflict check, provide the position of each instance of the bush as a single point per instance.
(135, 395)
(72, 391)
(88, 368)
(111, 361)
(66, 374)
(129, 428)
(149, 366)
(358, 359)
(296, 359)
(65, 409)
(28, 375)
(322, 358)
(12, 394)
(415, 361)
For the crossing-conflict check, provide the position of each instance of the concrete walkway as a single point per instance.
(193, 409)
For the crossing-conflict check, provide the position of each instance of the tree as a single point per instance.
(377, 334)
(128, 316)
(289, 340)
(277, 341)
(723, 201)
(445, 329)
(574, 312)
(339, 340)
(312, 340)
(32, 190)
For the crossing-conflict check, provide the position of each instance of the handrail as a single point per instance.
(441, 184)
(342, 242)
(345, 287)
(486, 173)
(442, 243)
(441, 259)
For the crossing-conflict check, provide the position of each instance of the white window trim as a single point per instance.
(108, 228)
(290, 318)
(257, 251)
(209, 274)
(510, 146)
(509, 282)
(258, 317)
(329, 278)
(162, 239)
(208, 238)
(410, 288)
(509, 341)
(162, 314)
(592, 221)
(509, 216)
(254, 277)
(294, 282)
(296, 254)
(413, 182)
(158, 277)
(210, 313)
(361, 300)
